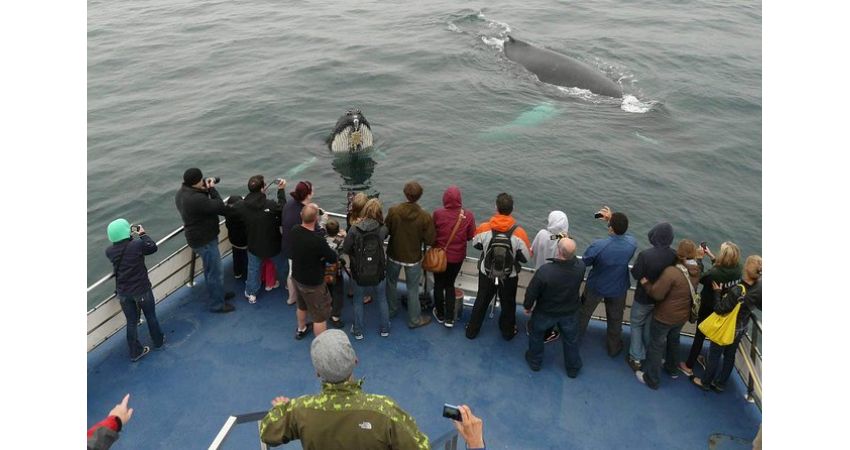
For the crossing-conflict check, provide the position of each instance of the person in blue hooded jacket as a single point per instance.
(132, 285)
(649, 264)
(608, 279)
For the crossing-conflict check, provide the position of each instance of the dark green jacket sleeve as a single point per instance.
(279, 427)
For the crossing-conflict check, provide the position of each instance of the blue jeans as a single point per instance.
(640, 318)
(569, 338)
(412, 275)
(147, 304)
(252, 283)
(663, 341)
(211, 258)
(379, 297)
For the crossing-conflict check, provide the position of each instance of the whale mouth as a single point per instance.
(352, 133)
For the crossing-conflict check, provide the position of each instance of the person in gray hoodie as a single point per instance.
(545, 247)
(649, 264)
(372, 221)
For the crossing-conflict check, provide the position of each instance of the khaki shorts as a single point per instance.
(316, 300)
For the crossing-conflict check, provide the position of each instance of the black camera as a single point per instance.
(322, 213)
(597, 215)
(558, 237)
(135, 228)
(215, 179)
(452, 412)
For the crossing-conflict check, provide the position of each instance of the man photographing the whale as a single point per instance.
(200, 204)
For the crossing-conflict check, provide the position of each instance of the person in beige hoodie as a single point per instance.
(672, 293)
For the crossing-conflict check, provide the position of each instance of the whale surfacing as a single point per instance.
(555, 68)
(351, 134)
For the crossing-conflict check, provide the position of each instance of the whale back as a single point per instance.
(558, 69)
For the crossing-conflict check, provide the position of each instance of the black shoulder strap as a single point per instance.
(116, 267)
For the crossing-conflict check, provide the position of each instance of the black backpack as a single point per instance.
(368, 265)
(499, 259)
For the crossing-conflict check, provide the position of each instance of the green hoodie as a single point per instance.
(410, 227)
(342, 416)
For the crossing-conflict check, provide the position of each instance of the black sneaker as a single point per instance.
(552, 336)
(145, 351)
(531, 365)
(229, 295)
(300, 334)
(162, 344)
(225, 309)
(337, 323)
(437, 315)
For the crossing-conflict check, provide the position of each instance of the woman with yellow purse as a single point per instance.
(729, 322)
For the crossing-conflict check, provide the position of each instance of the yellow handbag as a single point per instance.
(720, 329)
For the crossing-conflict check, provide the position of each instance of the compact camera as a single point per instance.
(558, 237)
(135, 228)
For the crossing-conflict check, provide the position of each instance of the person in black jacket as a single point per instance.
(238, 237)
(553, 296)
(132, 285)
(649, 264)
(748, 294)
(262, 222)
(310, 253)
(200, 204)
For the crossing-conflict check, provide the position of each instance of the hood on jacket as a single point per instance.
(452, 198)
(408, 210)
(558, 222)
(501, 222)
(367, 224)
(661, 235)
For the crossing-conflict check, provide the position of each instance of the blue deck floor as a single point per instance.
(214, 365)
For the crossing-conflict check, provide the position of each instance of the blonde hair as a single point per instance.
(729, 256)
(372, 210)
(357, 203)
(752, 267)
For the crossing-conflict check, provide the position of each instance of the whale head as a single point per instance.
(351, 134)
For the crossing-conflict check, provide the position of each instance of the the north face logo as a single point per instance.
(366, 426)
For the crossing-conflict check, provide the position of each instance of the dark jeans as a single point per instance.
(240, 262)
(614, 307)
(706, 307)
(507, 298)
(444, 291)
(568, 324)
(131, 304)
(663, 341)
(718, 372)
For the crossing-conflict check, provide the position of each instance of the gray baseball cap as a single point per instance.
(333, 357)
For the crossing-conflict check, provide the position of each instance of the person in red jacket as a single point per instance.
(104, 433)
(455, 226)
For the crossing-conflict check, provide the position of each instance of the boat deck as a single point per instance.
(216, 365)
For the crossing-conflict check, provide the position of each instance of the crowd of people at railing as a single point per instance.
(290, 244)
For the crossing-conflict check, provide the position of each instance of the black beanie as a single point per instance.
(192, 176)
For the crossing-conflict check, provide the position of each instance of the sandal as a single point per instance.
(698, 383)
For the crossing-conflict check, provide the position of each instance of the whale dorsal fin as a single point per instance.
(511, 39)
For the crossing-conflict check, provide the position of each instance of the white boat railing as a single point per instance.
(181, 267)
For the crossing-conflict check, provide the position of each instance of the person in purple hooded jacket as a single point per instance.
(451, 215)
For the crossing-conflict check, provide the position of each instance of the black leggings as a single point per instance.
(444, 290)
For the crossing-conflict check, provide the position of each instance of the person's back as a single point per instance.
(310, 252)
(262, 220)
(545, 243)
(410, 227)
(128, 261)
(558, 283)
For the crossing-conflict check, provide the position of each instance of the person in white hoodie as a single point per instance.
(545, 247)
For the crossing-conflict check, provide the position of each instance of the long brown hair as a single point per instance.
(373, 210)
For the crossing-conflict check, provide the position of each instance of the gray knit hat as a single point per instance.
(332, 355)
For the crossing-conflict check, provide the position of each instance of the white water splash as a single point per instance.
(494, 42)
(633, 105)
(454, 28)
(583, 94)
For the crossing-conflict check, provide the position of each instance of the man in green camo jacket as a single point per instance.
(342, 415)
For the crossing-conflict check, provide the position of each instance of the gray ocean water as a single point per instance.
(240, 88)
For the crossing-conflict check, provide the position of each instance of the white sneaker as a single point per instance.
(639, 376)
(276, 285)
(251, 298)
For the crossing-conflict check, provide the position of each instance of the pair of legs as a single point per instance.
(255, 263)
(337, 290)
(444, 292)
(211, 258)
(721, 361)
(412, 275)
(568, 325)
(706, 307)
(131, 305)
(663, 341)
(614, 307)
(379, 294)
(317, 301)
(487, 289)
(640, 318)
